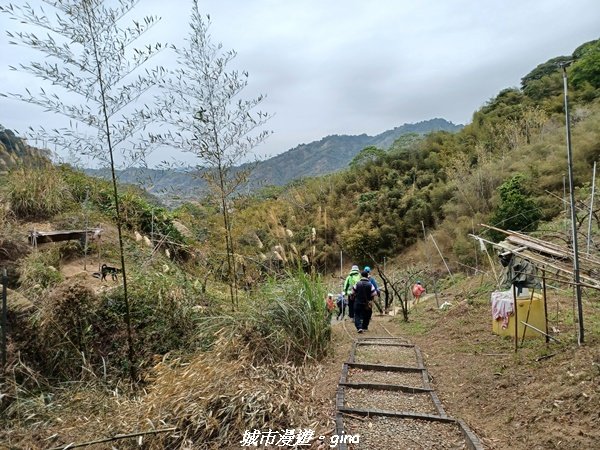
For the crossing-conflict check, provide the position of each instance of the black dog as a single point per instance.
(112, 270)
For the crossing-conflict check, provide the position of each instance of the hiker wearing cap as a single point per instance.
(350, 281)
(372, 280)
(364, 293)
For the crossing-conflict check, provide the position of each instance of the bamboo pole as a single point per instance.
(580, 327)
(545, 303)
(540, 331)
(437, 302)
(4, 317)
(440, 252)
(589, 236)
(114, 438)
(85, 245)
(516, 314)
(527, 317)
(492, 266)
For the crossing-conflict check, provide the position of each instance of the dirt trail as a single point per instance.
(545, 396)
(385, 400)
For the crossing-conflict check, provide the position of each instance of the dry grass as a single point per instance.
(65, 331)
(13, 246)
(36, 193)
(211, 400)
(39, 272)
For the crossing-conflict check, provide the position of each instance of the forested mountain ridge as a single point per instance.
(330, 154)
(335, 152)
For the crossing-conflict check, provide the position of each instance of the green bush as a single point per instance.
(164, 309)
(137, 213)
(82, 186)
(286, 322)
(39, 271)
(517, 209)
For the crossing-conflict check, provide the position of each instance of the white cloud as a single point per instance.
(352, 67)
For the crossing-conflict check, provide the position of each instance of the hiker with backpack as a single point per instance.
(372, 280)
(350, 281)
(364, 293)
(369, 311)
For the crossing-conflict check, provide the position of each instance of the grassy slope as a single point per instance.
(521, 400)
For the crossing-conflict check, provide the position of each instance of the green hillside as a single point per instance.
(330, 154)
(334, 153)
(447, 181)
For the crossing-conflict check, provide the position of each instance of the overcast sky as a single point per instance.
(353, 67)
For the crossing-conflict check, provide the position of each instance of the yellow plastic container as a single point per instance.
(537, 318)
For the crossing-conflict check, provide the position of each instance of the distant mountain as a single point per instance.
(333, 153)
(330, 154)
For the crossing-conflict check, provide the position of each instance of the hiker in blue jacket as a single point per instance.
(372, 280)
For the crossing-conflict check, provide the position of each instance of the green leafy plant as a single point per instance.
(517, 210)
(165, 305)
(286, 322)
(39, 271)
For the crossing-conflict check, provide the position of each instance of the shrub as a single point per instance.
(66, 333)
(517, 210)
(80, 185)
(36, 193)
(39, 271)
(164, 307)
(287, 322)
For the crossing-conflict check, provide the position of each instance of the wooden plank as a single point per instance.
(386, 367)
(538, 247)
(44, 237)
(432, 393)
(387, 387)
(385, 344)
(473, 442)
(402, 414)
